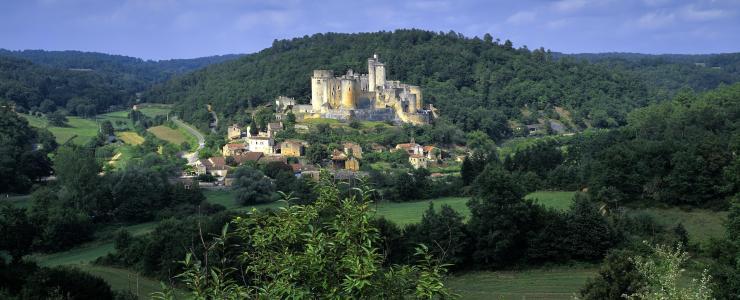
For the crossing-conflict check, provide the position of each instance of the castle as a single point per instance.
(362, 96)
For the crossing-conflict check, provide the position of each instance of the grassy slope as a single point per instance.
(557, 283)
(85, 129)
(701, 224)
(556, 199)
(130, 137)
(168, 134)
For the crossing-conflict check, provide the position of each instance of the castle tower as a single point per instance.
(349, 93)
(371, 73)
(412, 103)
(416, 90)
(379, 74)
(319, 88)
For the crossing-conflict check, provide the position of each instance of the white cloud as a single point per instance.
(655, 20)
(569, 5)
(557, 24)
(262, 19)
(521, 17)
(691, 13)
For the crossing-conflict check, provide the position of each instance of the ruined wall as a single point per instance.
(416, 90)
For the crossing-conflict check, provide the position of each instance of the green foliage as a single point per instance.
(661, 273)
(326, 250)
(17, 230)
(252, 186)
(617, 277)
(20, 164)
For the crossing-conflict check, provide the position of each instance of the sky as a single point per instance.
(164, 29)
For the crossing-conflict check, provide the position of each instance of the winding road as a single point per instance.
(193, 156)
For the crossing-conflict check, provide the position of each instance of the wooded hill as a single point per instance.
(92, 80)
(479, 84)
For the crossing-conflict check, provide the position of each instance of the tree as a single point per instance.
(252, 186)
(17, 230)
(253, 129)
(617, 277)
(444, 233)
(65, 283)
(327, 250)
(316, 153)
(589, 233)
(77, 173)
(57, 119)
(499, 218)
(662, 271)
(106, 127)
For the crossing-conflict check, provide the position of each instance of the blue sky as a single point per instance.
(160, 29)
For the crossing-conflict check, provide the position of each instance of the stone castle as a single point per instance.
(362, 96)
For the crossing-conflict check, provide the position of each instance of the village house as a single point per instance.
(248, 157)
(215, 166)
(234, 149)
(375, 147)
(432, 153)
(274, 128)
(234, 132)
(352, 149)
(411, 148)
(293, 148)
(261, 144)
(418, 161)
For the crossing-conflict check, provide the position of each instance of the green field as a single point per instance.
(173, 136)
(556, 199)
(556, 283)
(401, 213)
(124, 280)
(130, 137)
(701, 224)
(22, 201)
(84, 129)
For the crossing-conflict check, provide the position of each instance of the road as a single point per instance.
(214, 125)
(193, 156)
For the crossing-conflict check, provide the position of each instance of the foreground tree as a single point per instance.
(662, 272)
(327, 250)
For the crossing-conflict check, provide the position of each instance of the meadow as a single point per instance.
(165, 133)
(555, 283)
(81, 129)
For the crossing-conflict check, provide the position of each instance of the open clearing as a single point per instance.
(173, 136)
(556, 283)
(559, 200)
(84, 129)
(701, 224)
(130, 137)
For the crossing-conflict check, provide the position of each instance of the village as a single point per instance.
(264, 147)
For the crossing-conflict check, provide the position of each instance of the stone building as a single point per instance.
(362, 96)
(234, 132)
(293, 148)
(234, 149)
(262, 144)
(352, 149)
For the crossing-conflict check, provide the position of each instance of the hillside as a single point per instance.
(89, 81)
(669, 73)
(477, 83)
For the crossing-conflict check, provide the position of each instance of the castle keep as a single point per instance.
(363, 96)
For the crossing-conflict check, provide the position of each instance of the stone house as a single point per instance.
(418, 161)
(234, 149)
(411, 148)
(293, 148)
(234, 132)
(352, 149)
(261, 144)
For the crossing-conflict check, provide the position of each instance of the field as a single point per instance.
(701, 224)
(122, 279)
(84, 129)
(22, 201)
(130, 137)
(173, 136)
(401, 213)
(556, 283)
(556, 199)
